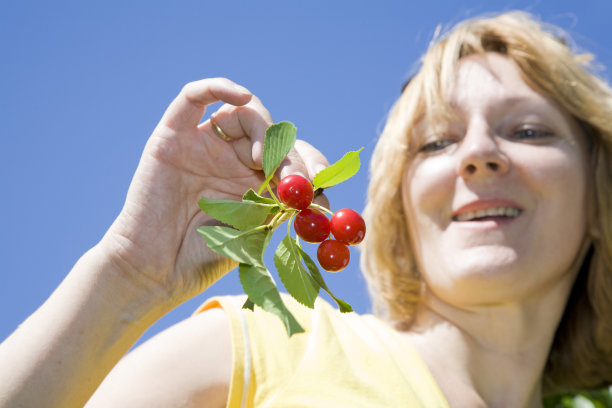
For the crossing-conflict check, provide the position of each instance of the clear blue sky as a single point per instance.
(82, 85)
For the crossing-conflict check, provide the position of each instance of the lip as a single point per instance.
(484, 204)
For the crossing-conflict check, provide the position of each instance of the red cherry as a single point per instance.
(312, 226)
(347, 226)
(333, 255)
(295, 192)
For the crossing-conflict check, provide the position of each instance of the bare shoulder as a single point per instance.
(188, 364)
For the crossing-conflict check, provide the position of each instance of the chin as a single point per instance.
(488, 275)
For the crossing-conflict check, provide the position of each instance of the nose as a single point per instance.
(479, 154)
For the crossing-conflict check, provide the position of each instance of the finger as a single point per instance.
(304, 160)
(293, 164)
(245, 126)
(321, 200)
(187, 109)
(312, 158)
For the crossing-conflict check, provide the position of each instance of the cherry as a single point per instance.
(311, 225)
(333, 255)
(347, 226)
(295, 192)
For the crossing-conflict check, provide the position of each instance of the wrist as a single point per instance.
(80, 332)
(138, 298)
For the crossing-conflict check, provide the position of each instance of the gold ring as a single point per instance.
(219, 131)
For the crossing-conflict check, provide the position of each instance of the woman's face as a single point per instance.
(496, 199)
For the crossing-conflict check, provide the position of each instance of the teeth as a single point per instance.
(489, 212)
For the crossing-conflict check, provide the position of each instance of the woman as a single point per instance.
(488, 214)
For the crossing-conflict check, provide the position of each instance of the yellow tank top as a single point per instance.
(342, 360)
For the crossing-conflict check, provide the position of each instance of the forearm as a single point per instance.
(61, 353)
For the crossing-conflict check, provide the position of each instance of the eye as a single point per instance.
(434, 146)
(532, 133)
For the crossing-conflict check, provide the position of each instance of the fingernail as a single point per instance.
(242, 89)
(286, 173)
(318, 168)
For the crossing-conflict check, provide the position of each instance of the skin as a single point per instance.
(494, 290)
(470, 326)
(150, 261)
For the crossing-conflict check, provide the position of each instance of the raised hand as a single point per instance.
(154, 238)
(152, 257)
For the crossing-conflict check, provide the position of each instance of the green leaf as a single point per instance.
(256, 198)
(314, 271)
(245, 247)
(292, 273)
(242, 215)
(262, 291)
(338, 172)
(248, 304)
(279, 139)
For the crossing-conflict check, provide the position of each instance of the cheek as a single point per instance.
(427, 185)
(427, 191)
(556, 175)
(558, 180)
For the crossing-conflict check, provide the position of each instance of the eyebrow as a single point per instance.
(506, 103)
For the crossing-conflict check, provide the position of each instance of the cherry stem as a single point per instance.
(278, 219)
(289, 224)
(321, 208)
(274, 221)
(273, 196)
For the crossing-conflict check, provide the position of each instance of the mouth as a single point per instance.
(485, 214)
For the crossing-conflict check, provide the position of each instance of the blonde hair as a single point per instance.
(581, 354)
